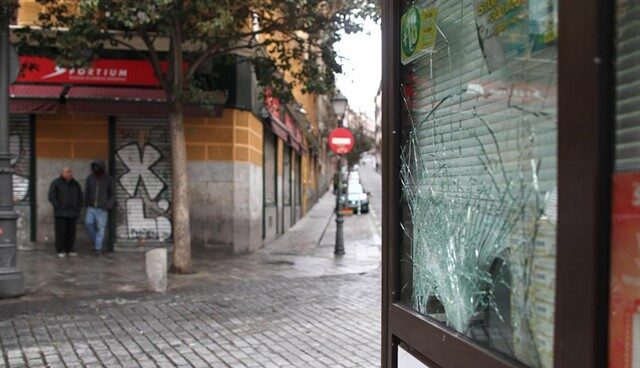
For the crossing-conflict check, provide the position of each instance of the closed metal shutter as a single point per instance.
(478, 177)
(297, 176)
(143, 181)
(20, 150)
(269, 169)
(297, 187)
(628, 86)
(286, 166)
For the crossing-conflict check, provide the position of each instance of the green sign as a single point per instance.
(418, 28)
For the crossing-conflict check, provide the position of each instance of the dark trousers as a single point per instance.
(65, 234)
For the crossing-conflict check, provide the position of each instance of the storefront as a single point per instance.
(111, 111)
(499, 136)
(284, 142)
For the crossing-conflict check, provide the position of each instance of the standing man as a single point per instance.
(65, 195)
(99, 199)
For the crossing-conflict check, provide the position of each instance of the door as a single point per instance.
(143, 182)
(491, 168)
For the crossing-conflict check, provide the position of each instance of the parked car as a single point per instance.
(356, 199)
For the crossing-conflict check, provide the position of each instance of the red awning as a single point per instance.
(34, 98)
(117, 94)
(294, 144)
(295, 139)
(127, 102)
(279, 129)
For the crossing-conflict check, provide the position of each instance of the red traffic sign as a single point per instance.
(341, 141)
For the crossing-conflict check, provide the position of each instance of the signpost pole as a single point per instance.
(339, 247)
(341, 142)
(11, 281)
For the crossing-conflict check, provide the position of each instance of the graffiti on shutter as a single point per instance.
(20, 150)
(143, 181)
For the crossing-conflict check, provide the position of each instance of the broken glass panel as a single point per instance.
(478, 173)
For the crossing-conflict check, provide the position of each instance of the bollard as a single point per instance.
(156, 261)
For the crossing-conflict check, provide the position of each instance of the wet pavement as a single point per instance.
(306, 250)
(292, 304)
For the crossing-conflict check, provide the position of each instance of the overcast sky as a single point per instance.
(361, 66)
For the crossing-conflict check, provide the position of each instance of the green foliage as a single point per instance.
(363, 143)
(275, 35)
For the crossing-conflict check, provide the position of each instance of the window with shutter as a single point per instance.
(478, 175)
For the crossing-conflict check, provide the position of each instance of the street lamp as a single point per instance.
(339, 106)
(11, 282)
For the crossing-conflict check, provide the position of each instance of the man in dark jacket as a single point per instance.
(65, 195)
(99, 199)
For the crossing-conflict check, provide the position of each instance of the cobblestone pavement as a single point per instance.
(307, 322)
(293, 304)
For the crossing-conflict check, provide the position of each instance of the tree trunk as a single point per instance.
(181, 225)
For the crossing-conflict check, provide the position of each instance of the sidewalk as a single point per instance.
(306, 250)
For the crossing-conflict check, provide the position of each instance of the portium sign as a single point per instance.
(341, 141)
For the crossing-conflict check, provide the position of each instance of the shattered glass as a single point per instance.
(478, 175)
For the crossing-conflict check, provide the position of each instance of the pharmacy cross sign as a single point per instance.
(341, 141)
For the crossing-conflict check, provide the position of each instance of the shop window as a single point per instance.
(479, 170)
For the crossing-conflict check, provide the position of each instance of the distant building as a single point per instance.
(255, 166)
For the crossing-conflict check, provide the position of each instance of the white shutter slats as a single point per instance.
(627, 147)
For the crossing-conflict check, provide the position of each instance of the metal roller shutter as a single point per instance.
(269, 169)
(286, 166)
(628, 87)
(20, 149)
(478, 177)
(143, 181)
(297, 175)
(297, 187)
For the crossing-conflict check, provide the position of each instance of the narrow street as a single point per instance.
(290, 305)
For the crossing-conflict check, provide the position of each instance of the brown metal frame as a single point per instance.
(585, 161)
(585, 144)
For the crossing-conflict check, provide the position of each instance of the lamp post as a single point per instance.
(11, 282)
(339, 106)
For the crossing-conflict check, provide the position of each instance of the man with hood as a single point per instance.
(99, 199)
(65, 195)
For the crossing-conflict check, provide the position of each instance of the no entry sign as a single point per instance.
(341, 141)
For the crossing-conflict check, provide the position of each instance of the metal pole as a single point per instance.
(339, 248)
(11, 281)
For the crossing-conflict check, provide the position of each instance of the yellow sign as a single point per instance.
(418, 29)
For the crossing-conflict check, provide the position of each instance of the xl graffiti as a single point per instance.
(146, 210)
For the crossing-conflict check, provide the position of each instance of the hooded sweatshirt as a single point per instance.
(99, 189)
